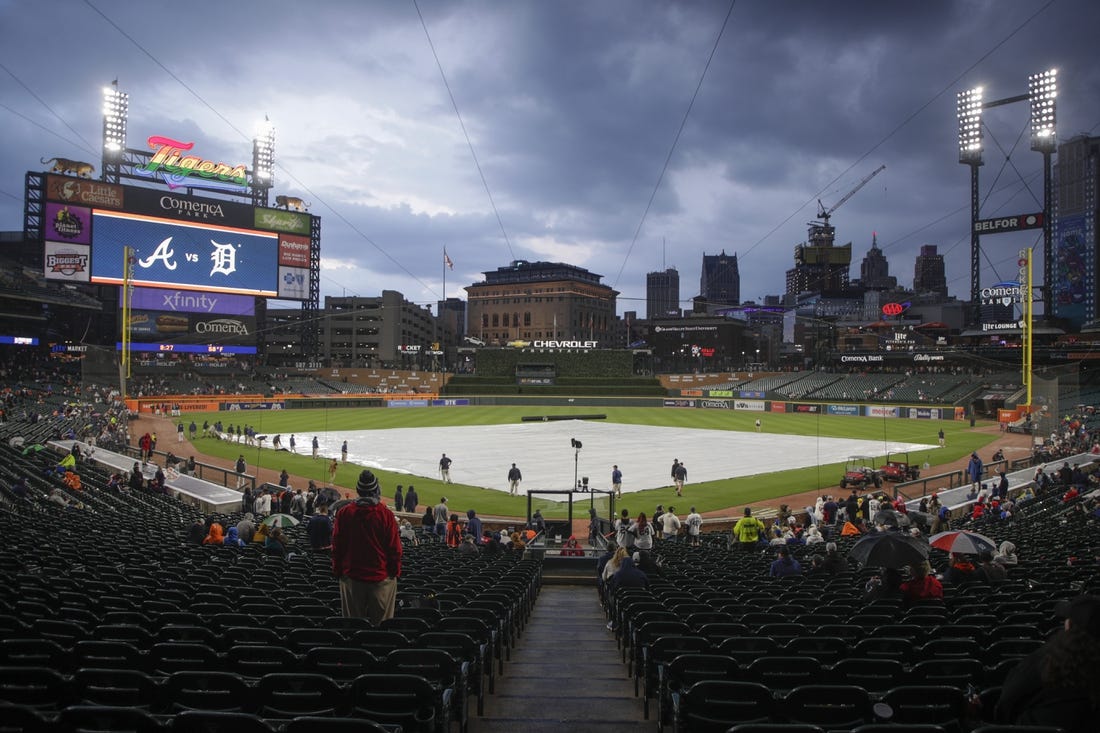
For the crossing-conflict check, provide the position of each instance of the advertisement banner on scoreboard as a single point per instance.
(66, 223)
(293, 250)
(174, 254)
(293, 283)
(158, 202)
(67, 261)
(191, 328)
(282, 221)
(95, 194)
(190, 301)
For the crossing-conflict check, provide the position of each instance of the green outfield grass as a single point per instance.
(714, 495)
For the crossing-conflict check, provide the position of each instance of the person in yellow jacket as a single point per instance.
(747, 531)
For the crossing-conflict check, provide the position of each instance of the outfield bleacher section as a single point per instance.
(771, 382)
(810, 383)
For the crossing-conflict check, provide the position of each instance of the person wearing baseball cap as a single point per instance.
(366, 554)
(1059, 684)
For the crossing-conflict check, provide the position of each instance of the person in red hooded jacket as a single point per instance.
(366, 554)
(572, 548)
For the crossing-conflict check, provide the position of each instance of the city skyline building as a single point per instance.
(662, 291)
(1077, 215)
(537, 301)
(874, 270)
(720, 280)
(929, 273)
(819, 265)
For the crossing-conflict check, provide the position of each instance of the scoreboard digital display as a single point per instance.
(180, 254)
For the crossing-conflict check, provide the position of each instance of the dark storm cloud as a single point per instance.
(572, 108)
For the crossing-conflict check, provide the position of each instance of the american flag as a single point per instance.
(447, 261)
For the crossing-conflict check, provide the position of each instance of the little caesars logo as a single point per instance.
(89, 193)
(67, 263)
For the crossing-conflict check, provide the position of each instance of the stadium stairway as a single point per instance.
(565, 673)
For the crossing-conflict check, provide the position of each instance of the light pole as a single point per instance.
(1042, 92)
(576, 445)
(969, 109)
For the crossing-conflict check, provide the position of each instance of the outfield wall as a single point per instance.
(712, 400)
(720, 400)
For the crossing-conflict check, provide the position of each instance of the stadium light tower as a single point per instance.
(1042, 92)
(969, 106)
(116, 107)
(1042, 89)
(263, 162)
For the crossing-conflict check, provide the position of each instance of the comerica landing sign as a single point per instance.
(176, 168)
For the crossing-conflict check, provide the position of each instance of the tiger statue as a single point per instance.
(291, 202)
(66, 166)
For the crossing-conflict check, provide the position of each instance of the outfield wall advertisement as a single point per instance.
(810, 408)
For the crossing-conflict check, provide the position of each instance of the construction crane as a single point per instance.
(824, 214)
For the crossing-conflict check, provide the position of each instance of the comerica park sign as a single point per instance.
(1005, 293)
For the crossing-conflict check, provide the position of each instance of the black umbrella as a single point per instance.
(328, 495)
(891, 518)
(337, 506)
(889, 550)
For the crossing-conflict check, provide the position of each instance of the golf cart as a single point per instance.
(861, 471)
(898, 468)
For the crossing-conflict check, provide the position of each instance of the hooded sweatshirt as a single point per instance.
(473, 525)
(629, 576)
(1006, 554)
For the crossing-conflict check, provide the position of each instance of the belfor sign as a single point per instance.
(1016, 223)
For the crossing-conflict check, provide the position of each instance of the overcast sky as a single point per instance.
(572, 109)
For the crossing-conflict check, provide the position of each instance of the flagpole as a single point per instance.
(439, 315)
